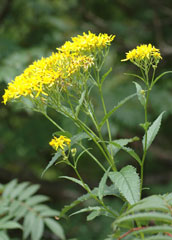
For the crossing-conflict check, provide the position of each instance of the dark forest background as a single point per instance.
(30, 29)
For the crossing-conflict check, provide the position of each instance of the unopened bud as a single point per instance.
(73, 151)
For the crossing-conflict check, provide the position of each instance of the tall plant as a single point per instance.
(64, 82)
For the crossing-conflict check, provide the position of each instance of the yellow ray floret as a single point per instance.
(88, 42)
(57, 69)
(143, 52)
(61, 142)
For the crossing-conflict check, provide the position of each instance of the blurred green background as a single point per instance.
(34, 28)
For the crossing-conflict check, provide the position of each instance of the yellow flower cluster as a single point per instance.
(144, 54)
(59, 69)
(61, 142)
(88, 43)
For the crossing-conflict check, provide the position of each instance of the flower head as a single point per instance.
(144, 55)
(54, 71)
(88, 43)
(61, 142)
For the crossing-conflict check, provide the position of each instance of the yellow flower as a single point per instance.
(61, 142)
(54, 71)
(144, 55)
(87, 43)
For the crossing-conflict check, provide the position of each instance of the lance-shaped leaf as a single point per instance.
(78, 107)
(120, 104)
(127, 182)
(152, 132)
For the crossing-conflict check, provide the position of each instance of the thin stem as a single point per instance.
(145, 143)
(107, 123)
(93, 157)
(53, 122)
(92, 195)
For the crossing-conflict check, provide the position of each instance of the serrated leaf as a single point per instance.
(156, 216)
(55, 227)
(93, 215)
(133, 154)
(102, 185)
(128, 183)
(155, 229)
(151, 203)
(120, 143)
(108, 191)
(152, 132)
(120, 104)
(29, 191)
(140, 96)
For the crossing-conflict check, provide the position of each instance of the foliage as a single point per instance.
(22, 208)
(64, 83)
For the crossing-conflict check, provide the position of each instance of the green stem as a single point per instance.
(91, 194)
(95, 122)
(93, 157)
(145, 143)
(53, 122)
(107, 123)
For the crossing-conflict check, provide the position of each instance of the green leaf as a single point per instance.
(156, 216)
(36, 199)
(55, 227)
(160, 76)
(93, 215)
(88, 209)
(78, 107)
(29, 191)
(37, 228)
(3, 235)
(133, 154)
(49, 213)
(120, 104)
(102, 184)
(63, 133)
(19, 189)
(156, 237)
(128, 183)
(108, 191)
(155, 229)
(135, 75)
(28, 224)
(10, 225)
(9, 187)
(152, 132)
(119, 144)
(152, 203)
(140, 95)
(75, 181)
(78, 137)
(105, 75)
